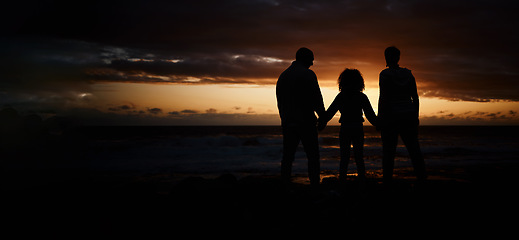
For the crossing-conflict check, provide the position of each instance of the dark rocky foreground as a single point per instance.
(104, 205)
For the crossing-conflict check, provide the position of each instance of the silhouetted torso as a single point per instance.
(298, 96)
(351, 104)
(398, 94)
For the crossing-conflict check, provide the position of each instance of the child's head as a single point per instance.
(351, 80)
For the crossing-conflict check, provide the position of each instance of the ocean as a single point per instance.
(178, 152)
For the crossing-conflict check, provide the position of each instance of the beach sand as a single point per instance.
(75, 203)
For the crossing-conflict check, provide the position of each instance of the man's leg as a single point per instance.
(410, 138)
(389, 141)
(290, 141)
(311, 146)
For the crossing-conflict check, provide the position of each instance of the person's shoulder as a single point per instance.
(362, 95)
(297, 67)
(385, 70)
(395, 72)
(405, 73)
(309, 75)
(310, 72)
(288, 71)
(386, 73)
(406, 70)
(283, 75)
(409, 72)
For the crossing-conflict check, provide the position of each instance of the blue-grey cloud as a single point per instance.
(458, 50)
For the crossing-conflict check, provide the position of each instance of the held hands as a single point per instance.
(321, 124)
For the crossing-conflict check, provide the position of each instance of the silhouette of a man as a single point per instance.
(299, 97)
(398, 115)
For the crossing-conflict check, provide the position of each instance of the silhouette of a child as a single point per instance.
(351, 102)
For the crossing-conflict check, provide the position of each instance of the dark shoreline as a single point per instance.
(65, 196)
(107, 205)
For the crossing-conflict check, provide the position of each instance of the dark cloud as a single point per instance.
(238, 69)
(39, 73)
(154, 110)
(189, 111)
(91, 116)
(211, 111)
(471, 118)
(53, 51)
(122, 108)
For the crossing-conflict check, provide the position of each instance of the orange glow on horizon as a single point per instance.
(253, 100)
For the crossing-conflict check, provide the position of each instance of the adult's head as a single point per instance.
(305, 56)
(392, 55)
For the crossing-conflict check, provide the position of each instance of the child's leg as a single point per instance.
(345, 144)
(358, 152)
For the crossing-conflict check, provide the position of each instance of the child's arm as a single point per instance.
(328, 115)
(333, 108)
(317, 97)
(368, 110)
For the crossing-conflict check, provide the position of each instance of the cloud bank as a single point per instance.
(53, 52)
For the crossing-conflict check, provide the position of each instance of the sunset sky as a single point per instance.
(217, 62)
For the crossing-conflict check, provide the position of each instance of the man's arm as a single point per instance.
(414, 96)
(318, 97)
(381, 100)
(281, 98)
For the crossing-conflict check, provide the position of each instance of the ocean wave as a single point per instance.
(261, 152)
